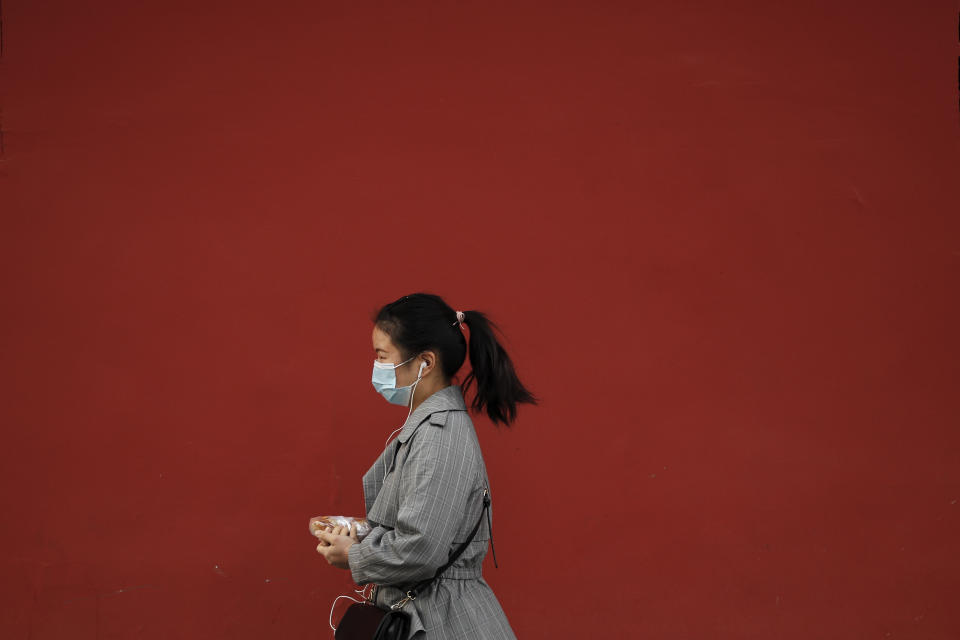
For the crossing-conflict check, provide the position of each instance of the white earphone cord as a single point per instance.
(362, 591)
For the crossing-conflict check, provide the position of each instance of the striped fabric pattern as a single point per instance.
(423, 495)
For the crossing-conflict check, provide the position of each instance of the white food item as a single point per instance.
(363, 527)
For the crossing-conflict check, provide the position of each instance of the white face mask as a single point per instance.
(385, 382)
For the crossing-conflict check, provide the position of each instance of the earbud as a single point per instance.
(422, 365)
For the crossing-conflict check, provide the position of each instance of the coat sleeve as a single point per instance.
(434, 485)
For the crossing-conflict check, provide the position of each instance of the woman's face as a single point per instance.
(385, 351)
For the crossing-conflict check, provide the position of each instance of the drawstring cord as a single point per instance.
(361, 591)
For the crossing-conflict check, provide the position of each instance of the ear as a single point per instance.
(430, 358)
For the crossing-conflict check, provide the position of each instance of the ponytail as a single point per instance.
(499, 390)
(422, 321)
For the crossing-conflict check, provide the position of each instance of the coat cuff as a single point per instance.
(356, 559)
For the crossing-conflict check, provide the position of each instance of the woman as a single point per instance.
(424, 494)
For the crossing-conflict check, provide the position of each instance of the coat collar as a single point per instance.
(447, 399)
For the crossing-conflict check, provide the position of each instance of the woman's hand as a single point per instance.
(335, 544)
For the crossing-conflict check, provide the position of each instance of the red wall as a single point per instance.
(721, 239)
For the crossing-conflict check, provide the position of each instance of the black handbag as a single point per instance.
(367, 621)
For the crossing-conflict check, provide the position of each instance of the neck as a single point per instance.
(426, 388)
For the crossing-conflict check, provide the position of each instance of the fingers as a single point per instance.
(321, 529)
(328, 552)
(329, 537)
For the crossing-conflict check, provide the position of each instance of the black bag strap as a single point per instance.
(412, 592)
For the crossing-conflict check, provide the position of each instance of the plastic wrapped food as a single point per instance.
(363, 527)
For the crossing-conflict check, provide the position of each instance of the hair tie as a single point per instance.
(459, 318)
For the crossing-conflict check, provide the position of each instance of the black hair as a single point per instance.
(422, 321)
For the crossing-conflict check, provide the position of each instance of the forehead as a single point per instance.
(381, 340)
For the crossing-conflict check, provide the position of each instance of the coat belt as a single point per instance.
(463, 573)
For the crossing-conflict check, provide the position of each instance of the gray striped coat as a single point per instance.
(423, 496)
